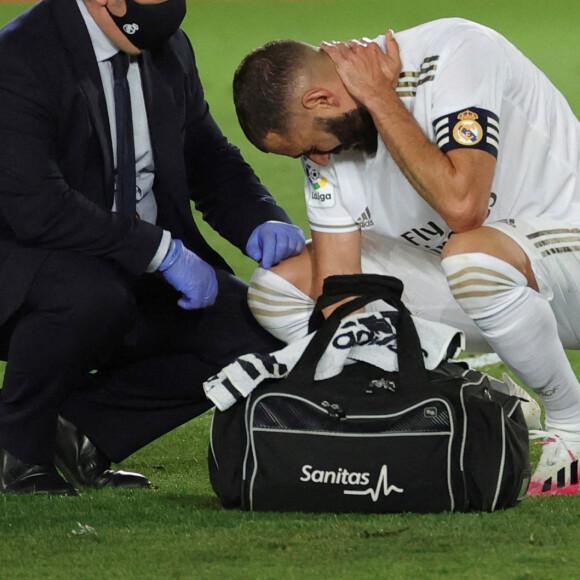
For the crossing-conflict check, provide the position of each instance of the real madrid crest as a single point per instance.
(468, 131)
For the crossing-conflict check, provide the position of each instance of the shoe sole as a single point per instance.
(539, 489)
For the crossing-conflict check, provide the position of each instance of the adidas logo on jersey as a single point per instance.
(365, 221)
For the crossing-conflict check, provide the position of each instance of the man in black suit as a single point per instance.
(93, 279)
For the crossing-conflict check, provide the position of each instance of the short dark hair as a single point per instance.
(263, 88)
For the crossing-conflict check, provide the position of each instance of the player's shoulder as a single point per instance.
(450, 26)
(447, 33)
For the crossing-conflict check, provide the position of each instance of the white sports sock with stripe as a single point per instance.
(519, 324)
(280, 307)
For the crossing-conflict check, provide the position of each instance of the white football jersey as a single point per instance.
(467, 87)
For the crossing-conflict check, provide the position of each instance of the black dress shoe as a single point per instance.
(19, 477)
(84, 465)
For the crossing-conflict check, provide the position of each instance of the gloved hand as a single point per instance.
(272, 242)
(189, 274)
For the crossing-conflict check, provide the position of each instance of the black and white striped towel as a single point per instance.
(364, 337)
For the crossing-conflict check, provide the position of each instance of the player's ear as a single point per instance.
(319, 97)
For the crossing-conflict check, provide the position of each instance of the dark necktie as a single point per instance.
(126, 176)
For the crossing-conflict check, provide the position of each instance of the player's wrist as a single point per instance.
(383, 100)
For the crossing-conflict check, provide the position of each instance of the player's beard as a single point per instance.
(354, 129)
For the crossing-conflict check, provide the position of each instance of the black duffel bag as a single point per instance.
(369, 440)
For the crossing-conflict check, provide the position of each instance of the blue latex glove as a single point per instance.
(272, 242)
(189, 274)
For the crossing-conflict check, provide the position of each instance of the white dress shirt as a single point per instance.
(144, 164)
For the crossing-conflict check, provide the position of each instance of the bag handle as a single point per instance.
(366, 288)
(337, 288)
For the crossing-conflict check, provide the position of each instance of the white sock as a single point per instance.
(519, 324)
(280, 307)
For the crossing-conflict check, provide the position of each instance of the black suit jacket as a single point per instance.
(56, 161)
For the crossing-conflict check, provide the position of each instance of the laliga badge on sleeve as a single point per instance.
(468, 131)
(321, 191)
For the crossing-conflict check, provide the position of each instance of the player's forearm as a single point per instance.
(334, 254)
(460, 200)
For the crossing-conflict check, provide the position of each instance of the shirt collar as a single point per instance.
(102, 45)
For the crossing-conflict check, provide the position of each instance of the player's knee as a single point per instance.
(108, 305)
(490, 242)
(465, 242)
(297, 270)
(279, 306)
(480, 282)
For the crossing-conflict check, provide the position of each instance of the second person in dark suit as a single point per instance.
(90, 280)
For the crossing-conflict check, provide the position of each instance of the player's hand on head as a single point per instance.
(393, 57)
(363, 67)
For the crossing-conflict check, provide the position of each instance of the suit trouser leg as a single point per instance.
(156, 382)
(76, 311)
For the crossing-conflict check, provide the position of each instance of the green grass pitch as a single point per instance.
(179, 530)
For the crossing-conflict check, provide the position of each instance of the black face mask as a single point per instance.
(148, 25)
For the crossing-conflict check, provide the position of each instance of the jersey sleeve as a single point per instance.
(467, 93)
(324, 204)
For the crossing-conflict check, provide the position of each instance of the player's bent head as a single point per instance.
(264, 87)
